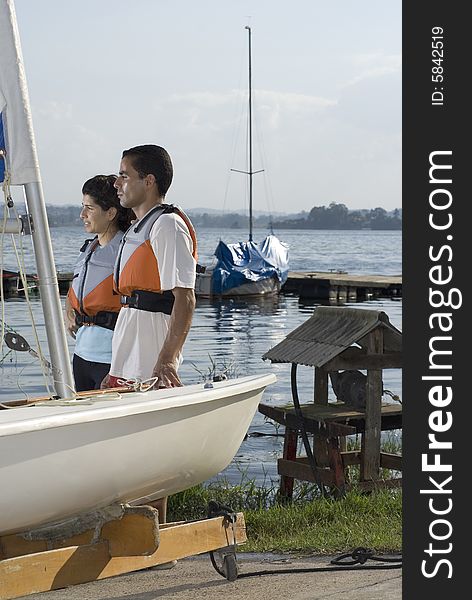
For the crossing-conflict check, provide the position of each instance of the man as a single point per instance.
(154, 275)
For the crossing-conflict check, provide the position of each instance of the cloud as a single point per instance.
(207, 109)
(56, 110)
(372, 66)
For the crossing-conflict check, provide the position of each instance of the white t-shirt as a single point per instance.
(139, 335)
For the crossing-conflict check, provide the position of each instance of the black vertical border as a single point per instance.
(428, 128)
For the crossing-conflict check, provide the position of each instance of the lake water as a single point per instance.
(232, 334)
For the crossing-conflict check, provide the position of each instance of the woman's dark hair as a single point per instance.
(101, 189)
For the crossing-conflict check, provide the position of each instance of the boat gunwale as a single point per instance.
(128, 405)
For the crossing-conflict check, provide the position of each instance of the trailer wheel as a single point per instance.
(225, 563)
(230, 567)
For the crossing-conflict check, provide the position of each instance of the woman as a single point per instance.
(91, 306)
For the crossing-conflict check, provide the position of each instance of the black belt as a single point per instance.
(150, 301)
(103, 318)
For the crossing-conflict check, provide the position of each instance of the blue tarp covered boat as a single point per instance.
(245, 263)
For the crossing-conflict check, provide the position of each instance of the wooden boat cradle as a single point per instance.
(50, 559)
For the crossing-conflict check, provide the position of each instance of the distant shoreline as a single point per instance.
(266, 227)
(324, 218)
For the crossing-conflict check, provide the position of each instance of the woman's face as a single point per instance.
(95, 219)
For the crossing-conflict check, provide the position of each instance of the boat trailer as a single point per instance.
(113, 541)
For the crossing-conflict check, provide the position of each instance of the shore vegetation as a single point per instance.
(310, 523)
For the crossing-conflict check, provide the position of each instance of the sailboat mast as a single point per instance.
(250, 137)
(22, 151)
(250, 172)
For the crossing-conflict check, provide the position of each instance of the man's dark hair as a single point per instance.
(101, 188)
(154, 160)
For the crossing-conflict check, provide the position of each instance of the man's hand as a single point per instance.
(180, 320)
(166, 374)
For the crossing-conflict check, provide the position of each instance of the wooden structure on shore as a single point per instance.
(337, 287)
(338, 339)
(107, 543)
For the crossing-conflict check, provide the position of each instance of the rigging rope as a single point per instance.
(9, 207)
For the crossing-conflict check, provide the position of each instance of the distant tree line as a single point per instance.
(60, 216)
(334, 216)
(228, 220)
(338, 216)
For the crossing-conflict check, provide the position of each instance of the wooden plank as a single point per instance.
(351, 457)
(300, 469)
(387, 460)
(320, 449)
(289, 453)
(321, 386)
(286, 416)
(55, 569)
(370, 444)
(391, 461)
(335, 418)
(51, 570)
(336, 465)
(390, 360)
(346, 278)
(135, 532)
(320, 427)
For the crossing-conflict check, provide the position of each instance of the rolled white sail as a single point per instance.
(19, 166)
(17, 144)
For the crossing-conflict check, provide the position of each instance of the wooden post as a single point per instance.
(321, 386)
(336, 466)
(320, 448)
(370, 445)
(289, 453)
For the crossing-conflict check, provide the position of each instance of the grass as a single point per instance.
(327, 526)
(310, 524)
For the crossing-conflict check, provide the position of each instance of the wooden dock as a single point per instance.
(334, 287)
(13, 286)
(338, 287)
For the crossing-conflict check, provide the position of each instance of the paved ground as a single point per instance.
(195, 578)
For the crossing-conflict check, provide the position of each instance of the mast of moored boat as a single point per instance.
(250, 136)
(250, 172)
(20, 139)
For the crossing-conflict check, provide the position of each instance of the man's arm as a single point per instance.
(181, 319)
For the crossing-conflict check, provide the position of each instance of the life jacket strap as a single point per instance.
(103, 318)
(162, 302)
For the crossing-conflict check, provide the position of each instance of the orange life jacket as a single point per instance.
(91, 291)
(136, 268)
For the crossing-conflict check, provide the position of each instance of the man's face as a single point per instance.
(131, 187)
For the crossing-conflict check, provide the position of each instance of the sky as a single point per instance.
(105, 75)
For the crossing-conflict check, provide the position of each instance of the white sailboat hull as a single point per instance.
(58, 461)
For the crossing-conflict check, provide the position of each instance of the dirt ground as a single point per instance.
(195, 578)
